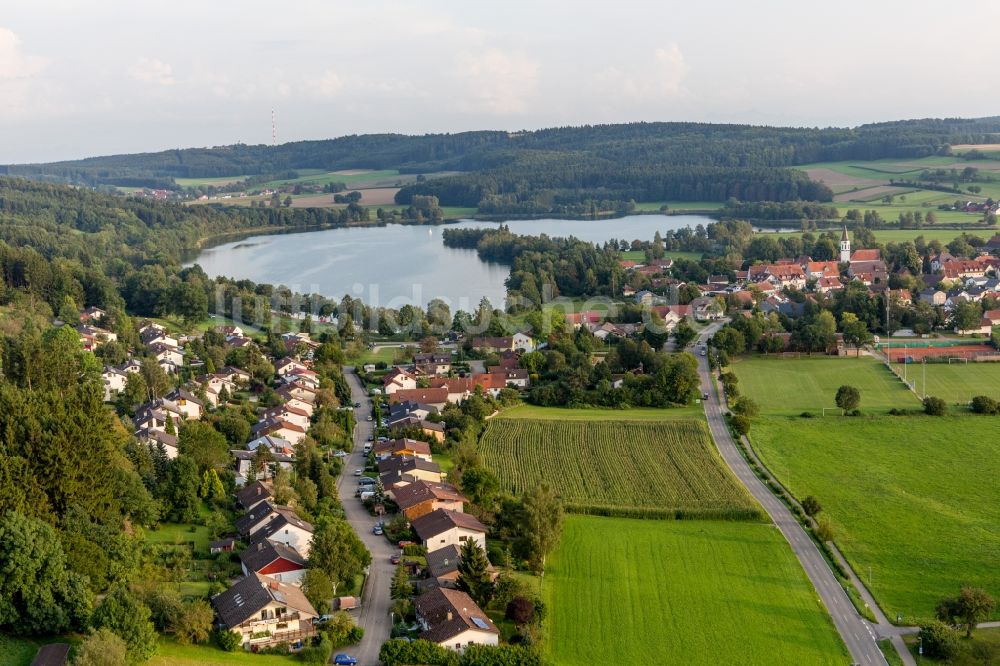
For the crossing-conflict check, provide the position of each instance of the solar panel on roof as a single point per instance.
(480, 622)
(278, 595)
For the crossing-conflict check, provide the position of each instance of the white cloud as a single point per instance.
(18, 76)
(152, 70)
(328, 84)
(497, 82)
(658, 79)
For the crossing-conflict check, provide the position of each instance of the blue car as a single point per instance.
(345, 660)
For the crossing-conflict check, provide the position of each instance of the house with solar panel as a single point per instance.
(453, 620)
(265, 612)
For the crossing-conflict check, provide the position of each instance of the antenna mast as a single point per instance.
(274, 129)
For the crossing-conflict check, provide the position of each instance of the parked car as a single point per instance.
(704, 396)
(322, 619)
(356, 405)
(404, 544)
(377, 530)
(359, 471)
(369, 417)
(340, 454)
(395, 558)
(345, 660)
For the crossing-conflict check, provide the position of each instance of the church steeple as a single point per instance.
(845, 246)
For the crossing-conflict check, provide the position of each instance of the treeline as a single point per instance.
(784, 210)
(541, 186)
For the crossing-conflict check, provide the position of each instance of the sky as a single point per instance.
(102, 77)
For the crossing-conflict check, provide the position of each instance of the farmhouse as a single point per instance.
(442, 527)
(452, 619)
(264, 607)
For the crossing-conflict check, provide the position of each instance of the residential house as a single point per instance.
(92, 337)
(244, 462)
(398, 379)
(151, 334)
(402, 447)
(421, 498)
(436, 397)
(169, 357)
(262, 607)
(518, 341)
(275, 444)
(156, 438)
(92, 314)
(435, 363)
(933, 296)
(443, 527)
(185, 403)
(250, 496)
(442, 565)
(287, 366)
(428, 429)
(280, 428)
(114, 382)
(275, 560)
(993, 316)
(451, 619)
(286, 528)
(401, 410)
(400, 470)
(299, 417)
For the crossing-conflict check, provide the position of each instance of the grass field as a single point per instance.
(657, 469)
(171, 653)
(349, 177)
(623, 591)
(959, 382)
(914, 500)
(17, 651)
(640, 255)
(597, 414)
(201, 182)
(899, 235)
(793, 385)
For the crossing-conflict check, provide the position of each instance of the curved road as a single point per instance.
(375, 602)
(854, 630)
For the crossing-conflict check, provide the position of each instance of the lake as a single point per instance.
(398, 264)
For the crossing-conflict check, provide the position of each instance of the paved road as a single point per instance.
(375, 603)
(854, 630)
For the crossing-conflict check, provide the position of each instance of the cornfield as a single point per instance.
(619, 468)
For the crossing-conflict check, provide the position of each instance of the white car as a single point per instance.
(359, 472)
(340, 454)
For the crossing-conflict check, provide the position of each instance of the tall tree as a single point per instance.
(542, 523)
(128, 617)
(473, 573)
(337, 551)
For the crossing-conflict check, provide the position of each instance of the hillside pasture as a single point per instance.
(791, 386)
(657, 470)
(913, 500)
(695, 593)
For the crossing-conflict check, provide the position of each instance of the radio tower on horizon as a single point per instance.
(274, 129)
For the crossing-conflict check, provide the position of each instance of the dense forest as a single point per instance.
(567, 169)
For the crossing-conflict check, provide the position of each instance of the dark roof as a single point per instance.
(250, 495)
(249, 595)
(441, 520)
(259, 555)
(257, 514)
(436, 606)
(284, 518)
(400, 465)
(221, 543)
(53, 654)
(443, 561)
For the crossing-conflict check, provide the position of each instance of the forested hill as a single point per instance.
(677, 144)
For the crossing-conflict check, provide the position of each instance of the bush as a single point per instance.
(520, 610)
(740, 423)
(807, 415)
(811, 506)
(744, 406)
(824, 530)
(982, 404)
(935, 406)
(319, 652)
(229, 641)
(939, 640)
(396, 653)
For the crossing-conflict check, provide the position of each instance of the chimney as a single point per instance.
(260, 546)
(449, 616)
(274, 585)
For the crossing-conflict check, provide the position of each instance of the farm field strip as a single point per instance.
(695, 593)
(662, 470)
(914, 500)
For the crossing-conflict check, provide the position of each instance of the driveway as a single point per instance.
(375, 602)
(854, 630)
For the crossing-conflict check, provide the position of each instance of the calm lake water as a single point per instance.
(398, 264)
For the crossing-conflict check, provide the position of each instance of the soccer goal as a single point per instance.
(836, 410)
(958, 359)
(791, 354)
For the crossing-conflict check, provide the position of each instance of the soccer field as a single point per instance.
(958, 383)
(791, 386)
(623, 591)
(914, 500)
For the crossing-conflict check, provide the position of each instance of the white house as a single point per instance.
(453, 620)
(442, 528)
(261, 606)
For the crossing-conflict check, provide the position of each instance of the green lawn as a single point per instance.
(794, 385)
(597, 414)
(217, 182)
(171, 653)
(640, 255)
(174, 533)
(17, 651)
(324, 177)
(985, 644)
(958, 382)
(914, 500)
(623, 591)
